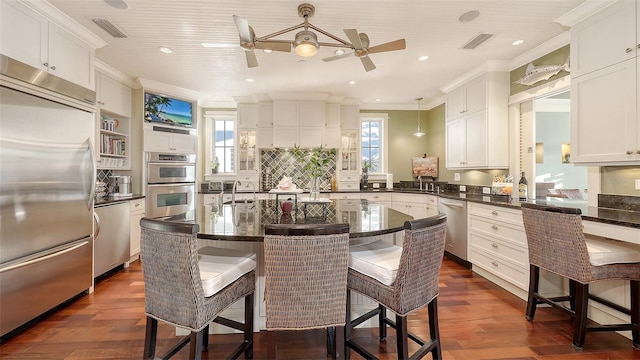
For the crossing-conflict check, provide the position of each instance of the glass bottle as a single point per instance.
(522, 187)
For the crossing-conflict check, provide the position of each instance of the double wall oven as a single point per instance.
(171, 184)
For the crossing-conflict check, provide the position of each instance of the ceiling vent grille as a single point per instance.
(107, 26)
(476, 41)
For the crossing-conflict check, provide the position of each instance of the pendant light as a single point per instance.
(419, 132)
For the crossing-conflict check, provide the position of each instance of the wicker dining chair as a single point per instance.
(306, 281)
(402, 279)
(557, 244)
(189, 288)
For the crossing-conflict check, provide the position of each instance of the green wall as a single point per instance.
(556, 57)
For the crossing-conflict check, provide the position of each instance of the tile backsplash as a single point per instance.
(279, 163)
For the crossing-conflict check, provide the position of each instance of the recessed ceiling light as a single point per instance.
(268, 51)
(118, 4)
(165, 50)
(469, 16)
(339, 52)
(351, 82)
(423, 57)
(219, 45)
(517, 42)
(250, 80)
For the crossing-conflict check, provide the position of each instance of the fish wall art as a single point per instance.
(535, 74)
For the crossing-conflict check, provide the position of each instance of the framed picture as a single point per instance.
(425, 166)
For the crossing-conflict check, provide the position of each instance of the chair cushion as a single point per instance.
(607, 251)
(220, 267)
(379, 260)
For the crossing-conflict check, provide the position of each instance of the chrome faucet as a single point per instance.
(420, 179)
(233, 191)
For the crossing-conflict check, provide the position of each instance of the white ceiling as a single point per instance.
(429, 27)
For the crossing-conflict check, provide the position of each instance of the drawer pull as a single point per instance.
(628, 50)
(494, 227)
(494, 245)
(494, 263)
(494, 212)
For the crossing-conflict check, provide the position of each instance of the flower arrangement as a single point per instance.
(315, 160)
(366, 166)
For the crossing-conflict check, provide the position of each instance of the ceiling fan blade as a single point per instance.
(353, 36)
(284, 46)
(337, 57)
(390, 46)
(252, 61)
(243, 29)
(367, 63)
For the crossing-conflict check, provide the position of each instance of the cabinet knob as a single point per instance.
(494, 227)
(494, 263)
(628, 50)
(629, 152)
(494, 212)
(53, 67)
(494, 245)
(45, 64)
(637, 151)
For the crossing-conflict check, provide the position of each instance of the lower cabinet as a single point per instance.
(498, 246)
(138, 211)
(411, 204)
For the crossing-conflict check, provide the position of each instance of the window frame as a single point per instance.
(209, 123)
(383, 118)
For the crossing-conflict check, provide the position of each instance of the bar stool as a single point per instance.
(188, 288)
(402, 279)
(557, 244)
(306, 280)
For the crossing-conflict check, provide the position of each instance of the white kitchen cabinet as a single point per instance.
(265, 114)
(163, 141)
(377, 197)
(114, 144)
(331, 138)
(604, 119)
(606, 38)
(332, 116)
(247, 152)
(298, 123)
(605, 127)
(410, 204)
(138, 211)
(350, 117)
(285, 137)
(286, 113)
(498, 245)
(248, 115)
(432, 205)
(113, 96)
(467, 98)
(477, 136)
(29, 37)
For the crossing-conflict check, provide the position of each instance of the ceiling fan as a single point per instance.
(306, 41)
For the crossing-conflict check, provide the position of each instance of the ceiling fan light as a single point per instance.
(306, 43)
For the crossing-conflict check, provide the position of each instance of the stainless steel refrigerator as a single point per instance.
(47, 177)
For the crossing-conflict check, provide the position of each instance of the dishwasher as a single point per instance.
(112, 223)
(456, 211)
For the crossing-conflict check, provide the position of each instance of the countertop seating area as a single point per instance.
(188, 288)
(306, 281)
(403, 280)
(557, 244)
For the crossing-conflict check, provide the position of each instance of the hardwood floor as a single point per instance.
(478, 320)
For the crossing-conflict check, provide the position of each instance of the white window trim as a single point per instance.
(384, 140)
(209, 117)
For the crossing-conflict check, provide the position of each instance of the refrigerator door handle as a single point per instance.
(96, 221)
(26, 263)
(92, 175)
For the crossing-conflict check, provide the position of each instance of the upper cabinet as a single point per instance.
(248, 115)
(30, 38)
(476, 128)
(467, 98)
(605, 128)
(298, 123)
(113, 96)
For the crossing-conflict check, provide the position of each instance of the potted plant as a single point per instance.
(366, 165)
(214, 165)
(315, 160)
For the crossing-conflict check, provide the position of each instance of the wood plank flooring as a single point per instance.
(478, 320)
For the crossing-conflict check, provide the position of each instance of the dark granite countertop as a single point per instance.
(113, 199)
(615, 211)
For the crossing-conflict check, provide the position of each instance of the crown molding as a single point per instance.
(115, 74)
(583, 11)
(489, 65)
(541, 50)
(169, 89)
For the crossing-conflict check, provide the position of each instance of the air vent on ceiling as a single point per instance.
(476, 41)
(107, 26)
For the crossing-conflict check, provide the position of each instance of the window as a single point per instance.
(221, 140)
(372, 134)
